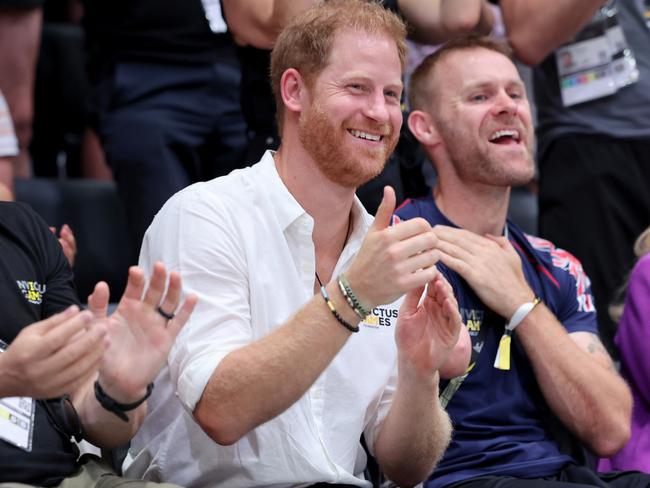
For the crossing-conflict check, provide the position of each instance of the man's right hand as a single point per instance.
(489, 264)
(393, 260)
(53, 356)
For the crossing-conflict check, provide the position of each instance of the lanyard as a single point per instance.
(454, 383)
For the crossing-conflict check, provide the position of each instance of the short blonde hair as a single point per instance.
(421, 85)
(305, 44)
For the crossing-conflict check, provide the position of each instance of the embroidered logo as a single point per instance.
(380, 317)
(33, 291)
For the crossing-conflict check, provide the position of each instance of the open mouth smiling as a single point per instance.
(365, 135)
(505, 136)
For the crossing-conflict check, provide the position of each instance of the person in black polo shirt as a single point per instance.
(66, 372)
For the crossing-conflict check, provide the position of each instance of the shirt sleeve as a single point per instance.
(633, 334)
(576, 308)
(198, 237)
(60, 291)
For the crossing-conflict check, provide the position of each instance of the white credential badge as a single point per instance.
(17, 418)
(597, 62)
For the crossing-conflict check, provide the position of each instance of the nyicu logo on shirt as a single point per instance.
(33, 291)
(381, 317)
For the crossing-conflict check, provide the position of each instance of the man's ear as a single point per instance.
(423, 128)
(293, 90)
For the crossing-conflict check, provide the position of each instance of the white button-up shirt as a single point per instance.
(244, 245)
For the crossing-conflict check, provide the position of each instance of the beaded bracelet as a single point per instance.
(351, 298)
(340, 319)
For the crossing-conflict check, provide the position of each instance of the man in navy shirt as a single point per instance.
(527, 304)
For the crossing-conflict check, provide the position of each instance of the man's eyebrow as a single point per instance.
(369, 79)
(488, 84)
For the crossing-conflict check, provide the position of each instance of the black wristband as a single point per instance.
(338, 317)
(119, 408)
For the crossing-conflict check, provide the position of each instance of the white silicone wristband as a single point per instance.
(521, 313)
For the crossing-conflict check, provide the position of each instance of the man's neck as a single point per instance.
(329, 204)
(481, 210)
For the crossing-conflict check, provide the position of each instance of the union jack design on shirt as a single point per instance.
(568, 262)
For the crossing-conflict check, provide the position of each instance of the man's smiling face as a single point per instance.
(353, 123)
(483, 116)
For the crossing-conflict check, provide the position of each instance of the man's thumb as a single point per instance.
(385, 211)
(98, 300)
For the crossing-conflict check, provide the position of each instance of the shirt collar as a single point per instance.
(283, 204)
(288, 210)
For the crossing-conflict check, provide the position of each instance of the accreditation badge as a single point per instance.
(597, 62)
(17, 418)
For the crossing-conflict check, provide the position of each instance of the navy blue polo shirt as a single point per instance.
(499, 417)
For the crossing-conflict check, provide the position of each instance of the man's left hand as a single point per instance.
(140, 335)
(427, 332)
